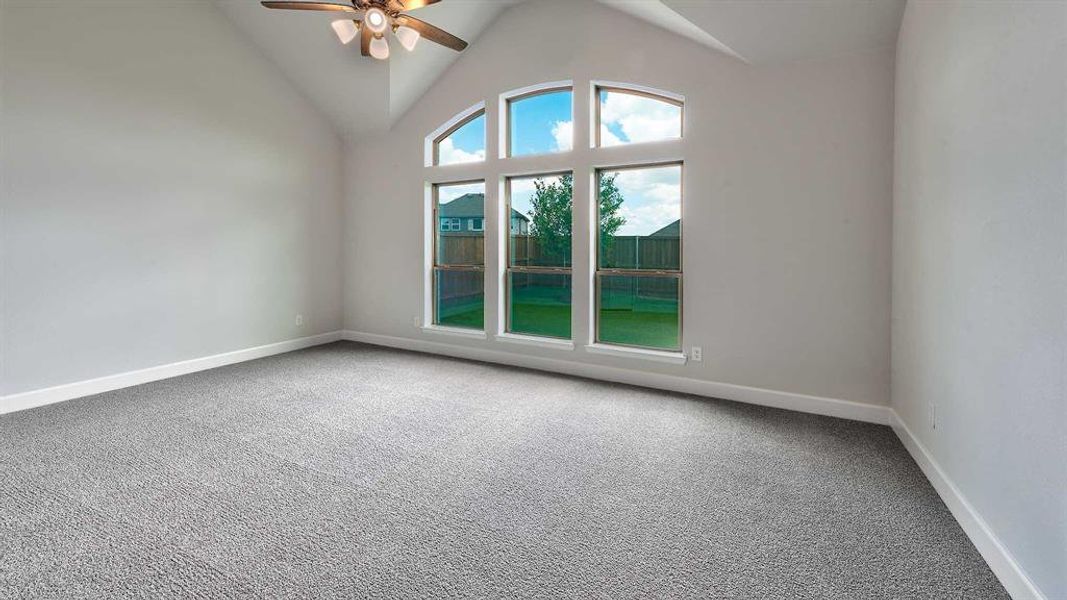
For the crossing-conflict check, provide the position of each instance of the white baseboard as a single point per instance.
(1003, 564)
(78, 389)
(833, 407)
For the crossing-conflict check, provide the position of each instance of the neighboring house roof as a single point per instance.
(471, 205)
(672, 230)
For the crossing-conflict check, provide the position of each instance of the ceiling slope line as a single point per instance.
(658, 13)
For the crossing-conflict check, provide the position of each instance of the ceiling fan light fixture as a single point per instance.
(407, 36)
(376, 20)
(379, 48)
(346, 30)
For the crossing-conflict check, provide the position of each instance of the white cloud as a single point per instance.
(652, 198)
(563, 132)
(448, 154)
(522, 191)
(448, 193)
(522, 187)
(639, 118)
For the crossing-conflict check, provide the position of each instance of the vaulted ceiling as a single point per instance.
(361, 95)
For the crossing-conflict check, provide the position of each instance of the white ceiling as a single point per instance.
(361, 95)
(768, 31)
(358, 94)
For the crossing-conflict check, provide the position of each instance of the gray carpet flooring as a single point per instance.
(355, 471)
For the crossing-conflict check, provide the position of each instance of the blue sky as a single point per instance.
(466, 144)
(544, 123)
(535, 123)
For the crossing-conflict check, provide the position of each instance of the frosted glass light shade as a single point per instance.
(345, 29)
(407, 36)
(379, 48)
(375, 20)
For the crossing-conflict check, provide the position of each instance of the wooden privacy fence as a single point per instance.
(461, 249)
(642, 252)
(624, 252)
(458, 287)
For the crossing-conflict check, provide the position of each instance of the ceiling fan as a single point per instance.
(371, 19)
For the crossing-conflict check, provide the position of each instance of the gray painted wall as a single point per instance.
(166, 195)
(787, 208)
(980, 263)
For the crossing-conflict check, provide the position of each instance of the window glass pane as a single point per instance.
(466, 144)
(459, 298)
(640, 212)
(541, 124)
(459, 208)
(540, 304)
(627, 118)
(638, 311)
(540, 222)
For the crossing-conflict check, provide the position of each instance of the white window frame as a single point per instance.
(431, 155)
(584, 160)
(637, 90)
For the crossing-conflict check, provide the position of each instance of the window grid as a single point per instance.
(508, 253)
(505, 120)
(438, 268)
(600, 272)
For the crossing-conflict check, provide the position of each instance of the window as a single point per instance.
(628, 116)
(629, 218)
(458, 256)
(462, 143)
(540, 122)
(538, 275)
(639, 270)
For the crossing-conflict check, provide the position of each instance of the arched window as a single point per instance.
(634, 301)
(461, 140)
(632, 116)
(540, 121)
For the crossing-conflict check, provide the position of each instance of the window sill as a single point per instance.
(674, 358)
(532, 340)
(475, 334)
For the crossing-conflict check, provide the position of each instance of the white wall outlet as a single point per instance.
(300, 320)
(697, 354)
(415, 322)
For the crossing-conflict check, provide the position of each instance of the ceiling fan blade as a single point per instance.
(434, 34)
(405, 5)
(327, 6)
(365, 35)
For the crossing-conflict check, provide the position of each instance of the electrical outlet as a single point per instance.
(933, 415)
(697, 354)
(300, 320)
(415, 322)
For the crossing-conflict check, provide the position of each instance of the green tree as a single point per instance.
(610, 219)
(551, 212)
(550, 220)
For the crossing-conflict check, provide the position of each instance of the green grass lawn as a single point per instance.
(651, 329)
(546, 311)
(469, 314)
(541, 310)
